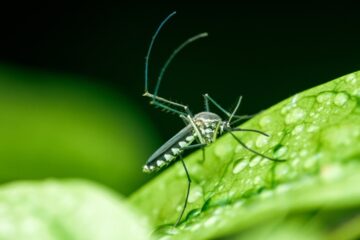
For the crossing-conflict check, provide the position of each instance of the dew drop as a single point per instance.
(219, 211)
(195, 193)
(331, 172)
(280, 151)
(312, 128)
(255, 161)
(195, 227)
(295, 162)
(356, 92)
(320, 109)
(265, 162)
(285, 109)
(340, 99)
(179, 208)
(265, 121)
(261, 141)
(211, 221)
(324, 97)
(266, 194)
(248, 182)
(283, 188)
(169, 230)
(240, 165)
(298, 129)
(232, 193)
(294, 116)
(239, 204)
(258, 180)
(311, 162)
(351, 78)
(165, 238)
(293, 154)
(294, 100)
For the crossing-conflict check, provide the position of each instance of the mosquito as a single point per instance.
(201, 129)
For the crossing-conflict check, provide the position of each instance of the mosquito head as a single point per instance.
(208, 124)
(206, 118)
(224, 126)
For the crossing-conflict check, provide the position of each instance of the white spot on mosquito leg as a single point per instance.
(168, 157)
(146, 168)
(182, 144)
(190, 138)
(175, 151)
(160, 163)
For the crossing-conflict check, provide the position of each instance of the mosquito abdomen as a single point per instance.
(170, 150)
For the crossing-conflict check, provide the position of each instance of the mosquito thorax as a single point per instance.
(208, 124)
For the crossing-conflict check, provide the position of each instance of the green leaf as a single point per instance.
(61, 210)
(62, 126)
(316, 131)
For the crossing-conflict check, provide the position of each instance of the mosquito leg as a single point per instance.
(188, 178)
(253, 151)
(235, 109)
(198, 145)
(206, 96)
(156, 100)
(203, 154)
(248, 130)
(206, 103)
(187, 191)
(167, 108)
(185, 119)
(230, 115)
(239, 118)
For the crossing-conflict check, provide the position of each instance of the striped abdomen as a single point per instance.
(170, 150)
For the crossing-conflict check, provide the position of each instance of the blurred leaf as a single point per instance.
(316, 131)
(70, 209)
(61, 126)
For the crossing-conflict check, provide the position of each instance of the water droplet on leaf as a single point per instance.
(255, 161)
(325, 97)
(340, 99)
(240, 165)
(294, 116)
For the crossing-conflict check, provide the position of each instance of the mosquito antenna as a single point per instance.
(253, 151)
(243, 117)
(235, 110)
(177, 50)
(150, 48)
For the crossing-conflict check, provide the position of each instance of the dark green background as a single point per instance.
(263, 52)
